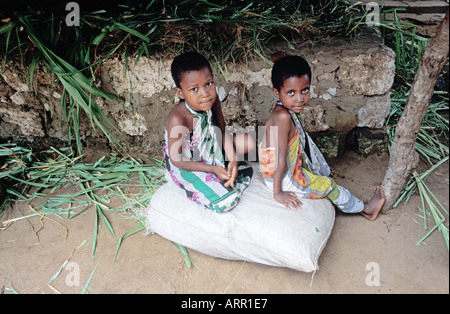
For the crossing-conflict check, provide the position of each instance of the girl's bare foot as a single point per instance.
(373, 207)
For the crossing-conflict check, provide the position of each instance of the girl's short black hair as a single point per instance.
(289, 66)
(186, 62)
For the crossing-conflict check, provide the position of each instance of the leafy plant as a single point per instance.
(430, 204)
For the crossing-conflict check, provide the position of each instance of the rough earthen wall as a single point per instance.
(350, 91)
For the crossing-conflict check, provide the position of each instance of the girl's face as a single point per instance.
(197, 89)
(294, 94)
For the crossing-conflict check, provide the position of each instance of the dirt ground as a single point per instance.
(360, 256)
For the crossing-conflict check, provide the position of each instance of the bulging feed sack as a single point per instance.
(258, 229)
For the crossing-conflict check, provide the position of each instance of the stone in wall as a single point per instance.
(12, 79)
(143, 76)
(375, 112)
(17, 113)
(370, 73)
(16, 121)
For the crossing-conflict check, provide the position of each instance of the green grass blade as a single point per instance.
(137, 229)
(85, 287)
(132, 32)
(94, 242)
(183, 250)
(106, 222)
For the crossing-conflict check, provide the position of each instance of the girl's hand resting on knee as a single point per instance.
(227, 175)
(233, 172)
(221, 173)
(288, 199)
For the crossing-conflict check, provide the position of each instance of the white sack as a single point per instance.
(258, 229)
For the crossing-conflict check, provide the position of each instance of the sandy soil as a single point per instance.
(151, 264)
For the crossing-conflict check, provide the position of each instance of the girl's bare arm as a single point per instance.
(280, 143)
(283, 123)
(177, 128)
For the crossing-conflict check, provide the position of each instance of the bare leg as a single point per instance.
(373, 207)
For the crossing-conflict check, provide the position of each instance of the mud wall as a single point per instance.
(349, 99)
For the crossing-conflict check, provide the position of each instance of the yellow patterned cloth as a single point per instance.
(313, 186)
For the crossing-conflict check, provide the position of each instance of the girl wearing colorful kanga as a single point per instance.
(200, 156)
(291, 164)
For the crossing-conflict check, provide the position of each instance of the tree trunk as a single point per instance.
(403, 158)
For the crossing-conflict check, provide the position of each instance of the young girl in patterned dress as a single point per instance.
(200, 156)
(291, 164)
